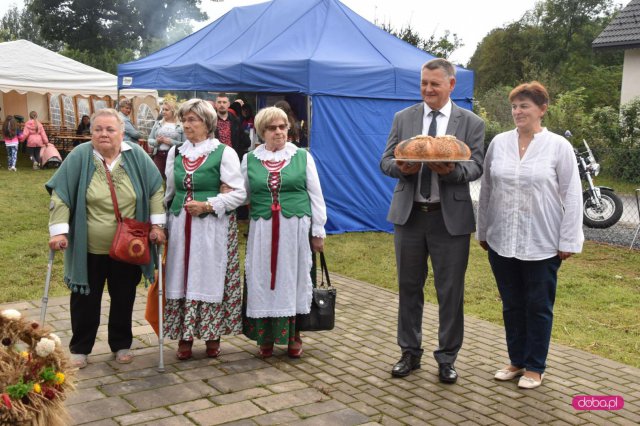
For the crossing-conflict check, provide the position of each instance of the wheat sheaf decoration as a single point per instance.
(34, 373)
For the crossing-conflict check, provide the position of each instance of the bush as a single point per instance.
(625, 158)
(491, 127)
(568, 113)
(494, 108)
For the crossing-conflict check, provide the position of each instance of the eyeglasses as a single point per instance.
(273, 128)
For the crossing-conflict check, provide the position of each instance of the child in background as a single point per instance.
(19, 126)
(35, 137)
(10, 133)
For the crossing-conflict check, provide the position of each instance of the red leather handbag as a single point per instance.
(131, 241)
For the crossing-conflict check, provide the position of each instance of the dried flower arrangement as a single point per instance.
(34, 373)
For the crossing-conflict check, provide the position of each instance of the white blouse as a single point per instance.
(531, 208)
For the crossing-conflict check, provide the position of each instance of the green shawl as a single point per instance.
(70, 183)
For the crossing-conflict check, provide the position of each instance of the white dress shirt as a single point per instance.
(442, 121)
(531, 208)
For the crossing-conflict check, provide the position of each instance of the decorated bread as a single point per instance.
(444, 148)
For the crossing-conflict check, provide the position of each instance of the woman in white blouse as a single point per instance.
(286, 203)
(530, 220)
(204, 187)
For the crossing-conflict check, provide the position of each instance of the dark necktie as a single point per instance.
(425, 182)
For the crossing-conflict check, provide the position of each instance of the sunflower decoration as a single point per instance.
(34, 373)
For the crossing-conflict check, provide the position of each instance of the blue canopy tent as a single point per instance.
(356, 75)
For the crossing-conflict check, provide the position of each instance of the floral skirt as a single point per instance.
(187, 319)
(280, 330)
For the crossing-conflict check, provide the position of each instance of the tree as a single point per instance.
(99, 25)
(20, 24)
(552, 43)
(441, 47)
(105, 59)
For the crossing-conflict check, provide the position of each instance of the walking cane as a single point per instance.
(45, 298)
(160, 311)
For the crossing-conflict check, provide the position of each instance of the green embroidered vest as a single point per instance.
(293, 195)
(204, 182)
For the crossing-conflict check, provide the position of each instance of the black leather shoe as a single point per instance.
(406, 365)
(446, 373)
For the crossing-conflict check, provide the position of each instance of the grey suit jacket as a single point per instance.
(455, 198)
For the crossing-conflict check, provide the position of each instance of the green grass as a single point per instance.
(620, 186)
(597, 299)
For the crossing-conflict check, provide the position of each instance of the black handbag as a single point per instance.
(323, 304)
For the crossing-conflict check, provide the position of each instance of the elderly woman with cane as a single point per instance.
(286, 204)
(204, 187)
(83, 222)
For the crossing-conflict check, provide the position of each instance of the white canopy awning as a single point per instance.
(26, 67)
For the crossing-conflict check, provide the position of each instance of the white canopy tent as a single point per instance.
(27, 67)
(31, 74)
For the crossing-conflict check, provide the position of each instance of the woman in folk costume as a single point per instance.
(286, 203)
(203, 276)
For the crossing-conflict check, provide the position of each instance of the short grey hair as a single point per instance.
(202, 109)
(265, 116)
(108, 112)
(440, 63)
(125, 102)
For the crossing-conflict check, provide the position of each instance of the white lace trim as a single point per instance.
(193, 152)
(262, 154)
(278, 313)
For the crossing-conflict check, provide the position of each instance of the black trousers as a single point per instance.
(122, 279)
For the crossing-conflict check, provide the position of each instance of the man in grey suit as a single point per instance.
(433, 217)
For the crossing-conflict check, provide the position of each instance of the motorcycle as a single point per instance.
(602, 206)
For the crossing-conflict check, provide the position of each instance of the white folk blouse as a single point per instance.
(531, 208)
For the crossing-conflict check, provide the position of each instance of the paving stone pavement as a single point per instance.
(342, 379)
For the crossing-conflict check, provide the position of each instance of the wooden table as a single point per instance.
(65, 143)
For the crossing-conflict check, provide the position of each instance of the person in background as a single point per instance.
(247, 124)
(84, 128)
(529, 220)
(236, 108)
(433, 217)
(131, 134)
(10, 133)
(281, 180)
(165, 134)
(293, 135)
(204, 187)
(19, 132)
(36, 138)
(228, 132)
(82, 222)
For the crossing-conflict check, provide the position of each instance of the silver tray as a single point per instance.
(413, 160)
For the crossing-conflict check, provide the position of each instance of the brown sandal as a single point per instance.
(295, 348)
(184, 350)
(265, 350)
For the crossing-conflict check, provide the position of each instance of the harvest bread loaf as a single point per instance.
(432, 148)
